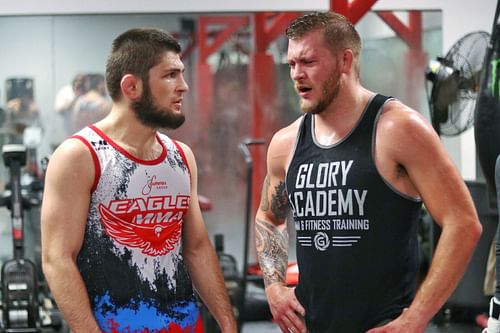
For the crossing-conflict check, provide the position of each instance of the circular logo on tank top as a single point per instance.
(321, 241)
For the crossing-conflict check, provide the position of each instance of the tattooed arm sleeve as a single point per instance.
(271, 234)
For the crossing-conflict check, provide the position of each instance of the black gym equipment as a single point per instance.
(487, 113)
(487, 132)
(248, 305)
(468, 298)
(244, 147)
(26, 303)
(19, 285)
(232, 280)
(455, 84)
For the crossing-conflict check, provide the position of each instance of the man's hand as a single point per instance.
(286, 309)
(402, 324)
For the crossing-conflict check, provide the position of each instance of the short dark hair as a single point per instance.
(135, 52)
(338, 31)
(95, 79)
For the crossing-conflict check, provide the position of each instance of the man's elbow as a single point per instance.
(49, 267)
(470, 231)
(53, 265)
(476, 230)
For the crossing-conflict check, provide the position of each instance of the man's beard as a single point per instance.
(152, 115)
(330, 90)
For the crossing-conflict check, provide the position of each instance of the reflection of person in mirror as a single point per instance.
(67, 96)
(354, 172)
(92, 106)
(22, 112)
(3, 120)
(124, 244)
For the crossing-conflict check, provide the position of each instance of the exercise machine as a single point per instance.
(247, 156)
(26, 305)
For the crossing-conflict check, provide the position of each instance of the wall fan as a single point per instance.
(455, 82)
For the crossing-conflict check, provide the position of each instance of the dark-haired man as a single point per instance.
(122, 231)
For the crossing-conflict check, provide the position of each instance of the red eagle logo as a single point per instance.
(154, 240)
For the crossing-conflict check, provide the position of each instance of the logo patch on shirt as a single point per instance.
(155, 238)
(153, 183)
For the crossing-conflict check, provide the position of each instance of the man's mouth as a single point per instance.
(303, 91)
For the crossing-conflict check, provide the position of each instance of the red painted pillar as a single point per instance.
(208, 43)
(205, 93)
(415, 58)
(262, 89)
(416, 61)
(204, 97)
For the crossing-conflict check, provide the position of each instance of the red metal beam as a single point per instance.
(207, 47)
(340, 6)
(415, 60)
(189, 47)
(411, 34)
(416, 29)
(209, 41)
(354, 10)
(268, 26)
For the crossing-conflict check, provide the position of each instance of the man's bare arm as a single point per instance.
(271, 233)
(272, 236)
(63, 220)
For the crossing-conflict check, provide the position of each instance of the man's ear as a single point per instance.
(131, 86)
(347, 60)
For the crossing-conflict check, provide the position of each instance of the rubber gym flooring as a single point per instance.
(455, 319)
(268, 327)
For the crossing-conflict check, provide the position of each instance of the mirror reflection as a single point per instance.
(52, 71)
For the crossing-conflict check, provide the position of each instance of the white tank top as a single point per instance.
(131, 258)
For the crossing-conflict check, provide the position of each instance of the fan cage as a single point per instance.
(466, 57)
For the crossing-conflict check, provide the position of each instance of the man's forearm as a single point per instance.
(447, 268)
(209, 283)
(70, 294)
(272, 251)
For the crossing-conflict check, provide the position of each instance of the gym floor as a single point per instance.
(268, 327)
(453, 320)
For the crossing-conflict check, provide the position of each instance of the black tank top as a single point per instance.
(357, 247)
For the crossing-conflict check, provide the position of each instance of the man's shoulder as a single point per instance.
(74, 146)
(72, 155)
(396, 113)
(288, 134)
(400, 123)
(282, 145)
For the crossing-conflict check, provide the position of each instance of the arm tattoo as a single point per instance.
(279, 201)
(264, 203)
(272, 250)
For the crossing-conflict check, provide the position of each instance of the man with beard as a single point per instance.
(355, 170)
(122, 231)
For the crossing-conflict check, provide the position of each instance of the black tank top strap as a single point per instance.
(305, 132)
(304, 138)
(368, 118)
